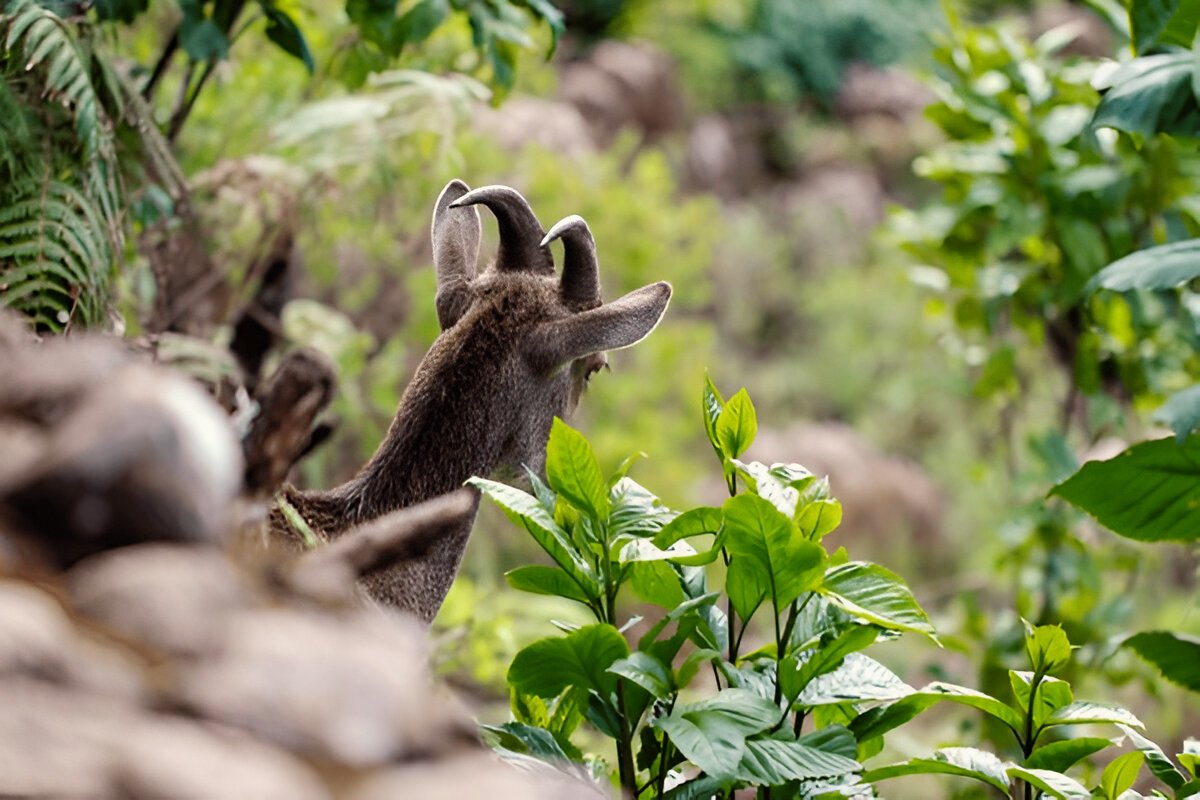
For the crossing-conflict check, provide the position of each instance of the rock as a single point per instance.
(868, 91)
(174, 599)
(477, 775)
(353, 688)
(624, 85)
(555, 125)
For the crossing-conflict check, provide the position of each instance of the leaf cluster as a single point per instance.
(608, 536)
(61, 215)
(1041, 711)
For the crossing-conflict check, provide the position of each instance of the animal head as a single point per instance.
(538, 336)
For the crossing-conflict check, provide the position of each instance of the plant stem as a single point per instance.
(625, 767)
(160, 66)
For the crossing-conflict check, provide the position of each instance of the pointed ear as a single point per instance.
(455, 234)
(612, 326)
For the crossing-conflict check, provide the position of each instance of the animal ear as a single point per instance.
(521, 234)
(455, 235)
(612, 326)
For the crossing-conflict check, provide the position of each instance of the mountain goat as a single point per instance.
(517, 347)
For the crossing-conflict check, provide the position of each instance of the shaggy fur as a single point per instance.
(517, 348)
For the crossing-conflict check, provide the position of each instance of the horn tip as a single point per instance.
(573, 222)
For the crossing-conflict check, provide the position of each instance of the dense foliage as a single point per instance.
(1036, 301)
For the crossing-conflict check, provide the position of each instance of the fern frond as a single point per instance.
(61, 219)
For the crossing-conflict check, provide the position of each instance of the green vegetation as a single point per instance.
(611, 536)
(1017, 339)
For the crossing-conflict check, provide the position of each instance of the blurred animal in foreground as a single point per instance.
(517, 347)
(141, 654)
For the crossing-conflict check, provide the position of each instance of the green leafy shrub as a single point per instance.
(787, 51)
(61, 196)
(1042, 705)
(608, 536)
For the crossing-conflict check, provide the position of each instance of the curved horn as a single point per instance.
(520, 231)
(455, 235)
(580, 285)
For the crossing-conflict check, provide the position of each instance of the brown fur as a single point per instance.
(514, 354)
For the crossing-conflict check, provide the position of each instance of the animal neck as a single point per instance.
(449, 427)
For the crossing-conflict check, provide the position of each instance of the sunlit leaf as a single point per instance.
(1121, 773)
(964, 762)
(737, 425)
(1176, 655)
(877, 595)
(572, 471)
(712, 733)
(581, 658)
(1052, 783)
(1163, 475)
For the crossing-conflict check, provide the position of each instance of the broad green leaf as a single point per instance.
(1162, 475)
(1053, 694)
(656, 582)
(416, 24)
(1052, 783)
(1083, 711)
(1181, 412)
(965, 762)
(1190, 758)
(771, 762)
(1150, 94)
(875, 594)
(1181, 29)
(746, 587)
(1166, 266)
(568, 712)
(795, 674)
(540, 579)
(879, 721)
(1176, 655)
(1147, 19)
(553, 18)
(859, 679)
(768, 486)
(526, 511)
(202, 40)
(737, 425)
(712, 733)
(286, 34)
(522, 738)
(690, 606)
(647, 672)
(712, 405)
(832, 739)
(1120, 774)
(644, 550)
(1047, 647)
(702, 788)
(768, 551)
(581, 658)
(572, 471)
(1160, 765)
(693, 522)
(529, 709)
(635, 510)
(1061, 756)
(819, 518)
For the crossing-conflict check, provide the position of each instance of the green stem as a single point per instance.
(625, 767)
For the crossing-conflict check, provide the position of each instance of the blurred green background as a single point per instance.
(877, 217)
